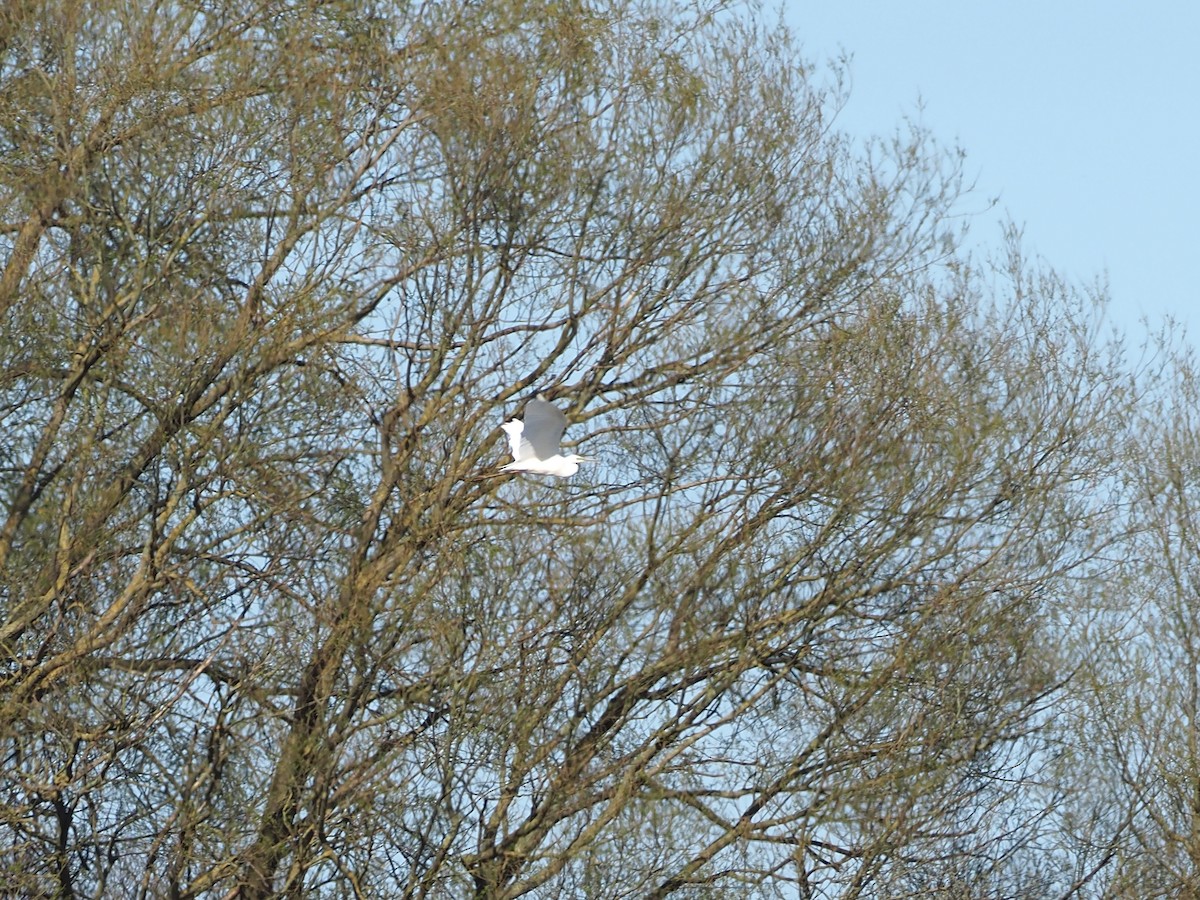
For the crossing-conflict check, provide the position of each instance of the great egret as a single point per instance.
(535, 441)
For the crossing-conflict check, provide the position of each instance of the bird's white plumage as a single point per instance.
(535, 442)
(521, 448)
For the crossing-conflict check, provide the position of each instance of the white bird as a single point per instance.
(535, 442)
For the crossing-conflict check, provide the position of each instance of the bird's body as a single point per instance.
(535, 441)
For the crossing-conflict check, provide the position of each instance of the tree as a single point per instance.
(1137, 698)
(274, 273)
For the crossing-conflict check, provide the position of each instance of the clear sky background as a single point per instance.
(1083, 118)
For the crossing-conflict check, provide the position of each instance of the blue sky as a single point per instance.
(1083, 118)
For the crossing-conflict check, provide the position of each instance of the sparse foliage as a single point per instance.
(273, 274)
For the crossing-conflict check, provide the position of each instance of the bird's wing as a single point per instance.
(521, 448)
(544, 427)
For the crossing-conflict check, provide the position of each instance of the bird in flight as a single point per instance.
(535, 441)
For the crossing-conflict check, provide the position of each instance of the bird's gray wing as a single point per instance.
(544, 427)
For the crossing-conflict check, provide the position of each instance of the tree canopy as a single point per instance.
(841, 611)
